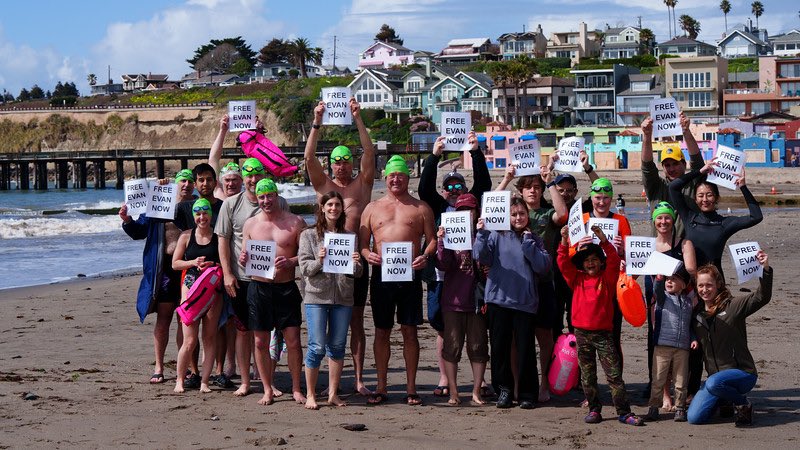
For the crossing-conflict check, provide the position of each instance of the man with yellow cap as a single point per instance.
(275, 303)
(396, 217)
(356, 192)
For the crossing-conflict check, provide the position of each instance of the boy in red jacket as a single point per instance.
(592, 275)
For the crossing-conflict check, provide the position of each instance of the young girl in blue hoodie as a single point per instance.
(514, 258)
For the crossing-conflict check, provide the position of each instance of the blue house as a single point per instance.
(460, 92)
(759, 151)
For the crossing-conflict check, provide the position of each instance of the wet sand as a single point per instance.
(78, 347)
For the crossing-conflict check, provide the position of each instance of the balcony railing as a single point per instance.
(594, 85)
(748, 91)
(633, 109)
(694, 87)
(400, 106)
(713, 105)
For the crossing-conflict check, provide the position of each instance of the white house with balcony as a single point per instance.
(622, 42)
(374, 88)
(529, 43)
(635, 92)
(742, 41)
(383, 55)
(786, 44)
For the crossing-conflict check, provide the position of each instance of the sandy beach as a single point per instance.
(77, 350)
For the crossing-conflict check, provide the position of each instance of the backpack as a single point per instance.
(256, 145)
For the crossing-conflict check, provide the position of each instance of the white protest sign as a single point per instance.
(729, 164)
(577, 230)
(339, 248)
(242, 115)
(496, 210)
(569, 155)
(161, 201)
(136, 196)
(637, 251)
(665, 112)
(455, 128)
(261, 259)
(337, 106)
(745, 262)
(610, 228)
(396, 260)
(661, 264)
(525, 157)
(457, 230)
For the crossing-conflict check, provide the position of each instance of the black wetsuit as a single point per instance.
(709, 232)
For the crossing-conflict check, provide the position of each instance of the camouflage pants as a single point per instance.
(601, 342)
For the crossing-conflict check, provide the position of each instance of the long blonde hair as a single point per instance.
(723, 294)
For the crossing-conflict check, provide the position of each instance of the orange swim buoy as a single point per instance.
(631, 300)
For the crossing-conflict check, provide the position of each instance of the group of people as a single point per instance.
(511, 290)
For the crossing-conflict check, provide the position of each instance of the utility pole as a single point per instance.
(640, 21)
(109, 75)
(334, 52)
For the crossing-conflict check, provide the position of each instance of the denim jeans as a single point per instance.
(327, 332)
(729, 384)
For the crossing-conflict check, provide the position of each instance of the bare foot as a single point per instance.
(311, 403)
(585, 404)
(204, 388)
(276, 392)
(242, 391)
(362, 390)
(336, 401)
(454, 401)
(178, 388)
(477, 400)
(544, 395)
(267, 399)
(299, 397)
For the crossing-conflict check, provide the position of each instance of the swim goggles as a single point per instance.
(197, 209)
(340, 158)
(603, 189)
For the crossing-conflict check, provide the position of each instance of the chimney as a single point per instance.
(539, 29)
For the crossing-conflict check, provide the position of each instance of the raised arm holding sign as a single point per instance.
(577, 230)
(337, 107)
(745, 261)
(455, 127)
(728, 163)
(242, 115)
(664, 112)
(525, 157)
(136, 196)
(569, 155)
(610, 228)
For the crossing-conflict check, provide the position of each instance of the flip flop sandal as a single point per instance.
(157, 378)
(377, 399)
(413, 400)
(441, 391)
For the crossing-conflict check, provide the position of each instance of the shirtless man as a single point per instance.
(356, 192)
(396, 217)
(230, 226)
(275, 303)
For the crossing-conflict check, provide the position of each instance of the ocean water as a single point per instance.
(40, 248)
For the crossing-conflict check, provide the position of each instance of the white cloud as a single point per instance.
(22, 66)
(162, 43)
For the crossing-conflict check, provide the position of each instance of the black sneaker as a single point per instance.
(680, 415)
(504, 399)
(222, 381)
(192, 381)
(526, 404)
(652, 414)
(744, 415)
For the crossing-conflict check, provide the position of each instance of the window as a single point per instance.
(699, 99)
(612, 39)
(709, 136)
(563, 101)
(790, 70)
(449, 92)
(640, 86)
(413, 86)
(478, 93)
(790, 89)
(572, 39)
(759, 107)
(734, 108)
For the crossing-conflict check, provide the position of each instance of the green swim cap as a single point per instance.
(230, 169)
(266, 186)
(342, 152)
(601, 186)
(396, 164)
(252, 166)
(664, 208)
(184, 174)
(202, 205)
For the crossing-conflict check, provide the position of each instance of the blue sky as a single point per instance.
(45, 41)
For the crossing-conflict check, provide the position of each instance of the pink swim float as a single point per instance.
(256, 145)
(201, 295)
(563, 375)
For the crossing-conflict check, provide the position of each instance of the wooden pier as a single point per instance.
(72, 168)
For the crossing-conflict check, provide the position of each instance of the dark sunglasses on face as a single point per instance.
(454, 187)
(197, 209)
(345, 158)
(602, 189)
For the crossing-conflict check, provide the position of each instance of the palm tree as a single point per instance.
(725, 6)
(302, 52)
(669, 3)
(92, 79)
(690, 26)
(500, 75)
(646, 39)
(758, 10)
(674, 17)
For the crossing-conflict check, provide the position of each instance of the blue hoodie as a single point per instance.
(513, 261)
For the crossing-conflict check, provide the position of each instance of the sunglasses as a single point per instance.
(602, 189)
(345, 158)
(454, 187)
(251, 169)
(198, 209)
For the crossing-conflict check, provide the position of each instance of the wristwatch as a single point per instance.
(315, 126)
(590, 169)
(551, 184)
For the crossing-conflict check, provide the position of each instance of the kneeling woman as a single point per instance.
(513, 257)
(720, 327)
(328, 299)
(196, 251)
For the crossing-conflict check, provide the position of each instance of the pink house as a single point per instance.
(383, 55)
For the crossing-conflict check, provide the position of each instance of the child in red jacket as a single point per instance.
(592, 275)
